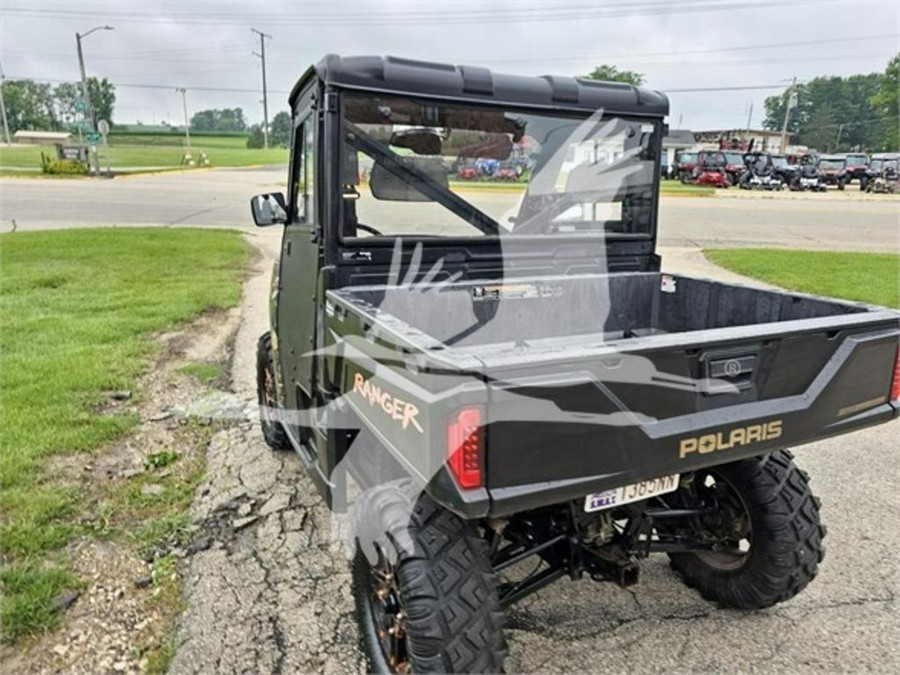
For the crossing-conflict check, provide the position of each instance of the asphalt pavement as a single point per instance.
(271, 596)
(848, 221)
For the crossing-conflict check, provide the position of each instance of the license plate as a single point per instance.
(630, 493)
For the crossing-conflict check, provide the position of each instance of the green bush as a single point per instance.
(256, 139)
(62, 167)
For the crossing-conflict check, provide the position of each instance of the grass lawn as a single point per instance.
(674, 187)
(865, 277)
(76, 309)
(154, 151)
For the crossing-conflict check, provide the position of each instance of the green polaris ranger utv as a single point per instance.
(471, 341)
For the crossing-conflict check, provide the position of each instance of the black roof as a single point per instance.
(390, 74)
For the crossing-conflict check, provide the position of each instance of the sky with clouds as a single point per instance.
(206, 45)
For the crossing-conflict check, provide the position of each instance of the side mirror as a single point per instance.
(269, 209)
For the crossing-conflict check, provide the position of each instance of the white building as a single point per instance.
(42, 137)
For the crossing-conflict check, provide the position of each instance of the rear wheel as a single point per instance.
(766, 528)
(274, 433)
(434, 608)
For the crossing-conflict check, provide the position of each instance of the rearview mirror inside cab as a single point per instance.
(269, 209)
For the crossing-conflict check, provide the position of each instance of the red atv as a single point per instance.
(711, 169)
(685, 163)
(834, 170)
(506, 173)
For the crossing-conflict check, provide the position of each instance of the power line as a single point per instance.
(177, 55)
(833, 59)
(418, 17)
(853, 123)
(772, 45)
(159, 54)
(698, 90)
(143, 85)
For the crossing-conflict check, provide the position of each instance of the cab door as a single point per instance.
(299, 271)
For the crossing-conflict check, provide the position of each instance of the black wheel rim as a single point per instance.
(388, 615)
(730, 527)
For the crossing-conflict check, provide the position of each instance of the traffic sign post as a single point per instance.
(103, 128)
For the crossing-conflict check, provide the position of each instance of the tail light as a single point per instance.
(895, 383)
(465, 448)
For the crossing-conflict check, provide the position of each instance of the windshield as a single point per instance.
(714, 159)
(734, 158)
(780, 162)
(857, 160)
(424, 168)
(687, 158)
(831, 164)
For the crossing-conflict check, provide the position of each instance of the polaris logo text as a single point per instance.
(726, 440)
(398, 410)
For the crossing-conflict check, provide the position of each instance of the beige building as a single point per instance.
(763, 139)
(42, 137)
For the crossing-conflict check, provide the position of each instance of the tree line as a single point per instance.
(232, 120)
(837, 114)
(831, 113)
(37, 106)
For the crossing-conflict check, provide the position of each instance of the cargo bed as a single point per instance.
(590, 310)
(581, 399)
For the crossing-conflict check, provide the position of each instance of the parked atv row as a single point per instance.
(841, 170)
(764, 171)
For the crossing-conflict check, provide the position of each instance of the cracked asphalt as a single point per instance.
(267, 594)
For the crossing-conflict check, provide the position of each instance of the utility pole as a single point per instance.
(3, 106)
(749, 120)
(837, 145)
(187, 124)
(791, 102)
(262, 58)
(89, 107)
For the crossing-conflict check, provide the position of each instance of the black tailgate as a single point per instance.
(583, 423)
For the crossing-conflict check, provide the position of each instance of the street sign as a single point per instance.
(73, 153)
(103, 127)
(92, 138)
(80, 105)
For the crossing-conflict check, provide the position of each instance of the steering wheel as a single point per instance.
(371, 230)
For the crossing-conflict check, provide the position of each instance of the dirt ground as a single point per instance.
(126, 608)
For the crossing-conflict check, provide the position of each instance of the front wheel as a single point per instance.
(766, 526)
(274, 433)
(426, 595)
